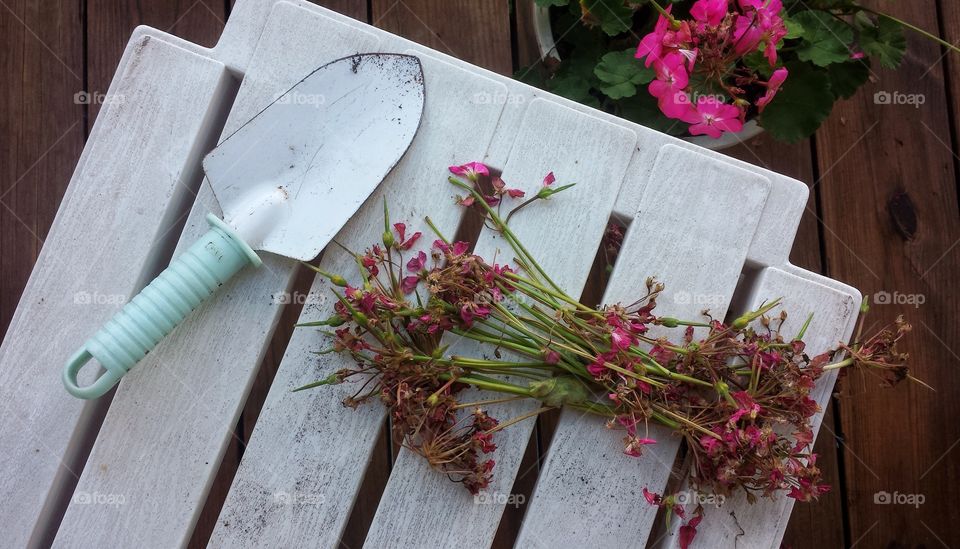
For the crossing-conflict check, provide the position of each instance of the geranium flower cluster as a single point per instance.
(701, 76)
(737, 392)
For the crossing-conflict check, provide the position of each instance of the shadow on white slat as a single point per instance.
(308, 453)
(419, 505)
(166, 431)
(695, 220)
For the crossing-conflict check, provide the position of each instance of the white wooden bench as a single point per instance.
(716, 230)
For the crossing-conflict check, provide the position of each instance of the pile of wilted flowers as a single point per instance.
(738, 392)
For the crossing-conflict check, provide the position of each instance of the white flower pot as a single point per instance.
(548, 48)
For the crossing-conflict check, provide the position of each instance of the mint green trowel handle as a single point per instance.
(160, 307)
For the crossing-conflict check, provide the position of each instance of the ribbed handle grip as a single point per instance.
(126, 338)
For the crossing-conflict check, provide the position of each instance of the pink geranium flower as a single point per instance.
(651, 46)
(634, 446)
(403, 242)
(709, 12)
(773, 86)
(689, 531)
(470, 170)
(760, 24)
(409, 284)
(417, 264)
(669, 88)
(620, 339)
(716, 117)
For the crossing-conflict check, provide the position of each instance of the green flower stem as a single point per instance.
(569, 363)
(685, 421)
(686, 379)
(914, 28)
(665, 421)
(754, 376)
(488, 402)
(519, 418)
(663, 12)
(511, 320)
(545, 320)
(745, 319)
(803, 329)
(497, 363)
(479, 363)
(435, 230)
(837, 365)
(550, 330)
(501, 332)
(634, 375)
(593, 407)
(507, 233)
(554, 293)
(536, 376)
(724, 390)
(472, 334)
(491, 385)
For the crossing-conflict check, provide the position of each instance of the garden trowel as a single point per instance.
(287, 181)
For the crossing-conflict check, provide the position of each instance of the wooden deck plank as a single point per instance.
(307, 456)
(696, 243)
(476, 32)
(42, 128)
(897, 232)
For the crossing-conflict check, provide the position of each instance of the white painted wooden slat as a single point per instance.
(781, 216)
(834, 308)
(695, 222)
(132, 183)
(418, 505)
(165, 433)
(307, 455)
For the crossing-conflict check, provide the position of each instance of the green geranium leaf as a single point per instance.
(826, 39)
(574, 87)
(846, 78)
(794, 28)
(885, 42)
(757, 61)
(802, 104)
(621, 73)
(613, 16)
(548, 3)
